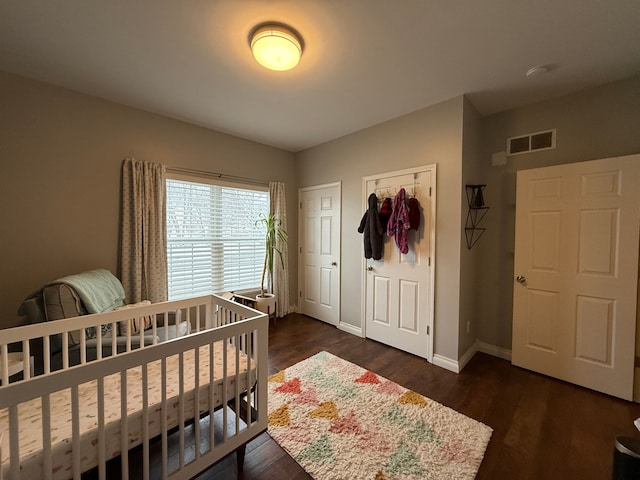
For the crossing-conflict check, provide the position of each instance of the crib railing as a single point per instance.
(217, 323)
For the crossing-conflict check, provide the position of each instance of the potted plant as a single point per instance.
(274, 236)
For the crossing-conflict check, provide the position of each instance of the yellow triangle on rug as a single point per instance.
(340, 421)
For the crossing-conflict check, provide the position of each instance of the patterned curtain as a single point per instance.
(143, 232)
(278, 207)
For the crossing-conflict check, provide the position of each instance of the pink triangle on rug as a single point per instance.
(373, 441)
(390, 388)
(368, 377)
(347, 424)
(308, 396)
(292, 386)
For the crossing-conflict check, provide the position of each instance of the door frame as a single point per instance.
(300, 232)
(432, 168)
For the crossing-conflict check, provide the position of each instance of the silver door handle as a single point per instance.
(369, 268)
(521, 279)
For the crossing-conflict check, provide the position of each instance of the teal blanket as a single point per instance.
(99, 289)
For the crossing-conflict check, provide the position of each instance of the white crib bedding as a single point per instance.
(30, 417)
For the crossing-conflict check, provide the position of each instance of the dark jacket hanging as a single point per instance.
(372, 228)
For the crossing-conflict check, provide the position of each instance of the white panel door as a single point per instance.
(398, 307)
(576, 267)
(319, 254)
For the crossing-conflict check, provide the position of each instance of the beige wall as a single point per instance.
(61, 155)
(428, 136)
(469, 278)
(597, 123)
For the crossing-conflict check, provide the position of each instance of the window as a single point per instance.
(213, 242)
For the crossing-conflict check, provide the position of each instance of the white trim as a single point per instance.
(478, 346)
(195, 178)
(446, 363)
(468, 355)
(499, 352)
(432, 168)
(352, 329)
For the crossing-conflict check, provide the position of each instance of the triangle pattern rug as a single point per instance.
(340, 421)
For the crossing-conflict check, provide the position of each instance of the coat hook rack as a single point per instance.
(475, 215)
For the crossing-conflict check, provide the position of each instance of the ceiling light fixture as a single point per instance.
(276, 46)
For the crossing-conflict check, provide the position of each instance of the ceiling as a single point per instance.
(364, 62)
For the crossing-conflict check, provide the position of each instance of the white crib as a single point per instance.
(60, 424)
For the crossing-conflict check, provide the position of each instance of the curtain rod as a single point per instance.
(221, 176)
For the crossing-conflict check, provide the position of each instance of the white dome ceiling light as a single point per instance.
(276, 46)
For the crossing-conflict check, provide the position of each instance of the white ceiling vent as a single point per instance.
(533, 142)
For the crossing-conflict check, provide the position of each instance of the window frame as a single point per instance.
(220, 182)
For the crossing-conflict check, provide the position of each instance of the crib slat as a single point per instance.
(208, 319)
(99, 342)
(47, 353)
(154, 329)
(47, 463)
(26, 360)
(249, 377)
(181, 407)
(211, 397)
(145, 421)
(65, 350)
(5, 364)
(102, 447)
(114, 334)
(237, 386)
(14, 441)
(196, 401)
(225, 386)
(124, 431)
(83, 346)
(165, 449)
(128, 336)
(75, 432)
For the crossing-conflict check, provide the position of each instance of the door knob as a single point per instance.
(334, 264)
(369, 268)
(521, 279)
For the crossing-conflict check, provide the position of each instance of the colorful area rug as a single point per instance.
(340, 421)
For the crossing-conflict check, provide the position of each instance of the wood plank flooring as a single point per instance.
(543, 428)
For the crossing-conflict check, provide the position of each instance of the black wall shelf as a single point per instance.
(475, 215)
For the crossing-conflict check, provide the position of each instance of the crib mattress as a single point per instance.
(30, 414)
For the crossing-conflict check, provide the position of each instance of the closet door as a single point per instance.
(576, 270)
(398, 301)
(319, 256)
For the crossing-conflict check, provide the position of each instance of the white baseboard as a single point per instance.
(499, 352)
(478, 346)
(446, 363)
(468, 355)
(352, 329)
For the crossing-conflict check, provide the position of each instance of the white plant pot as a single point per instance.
(266, 303)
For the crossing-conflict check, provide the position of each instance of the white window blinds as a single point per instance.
(213, 242)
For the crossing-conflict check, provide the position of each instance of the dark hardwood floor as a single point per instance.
(543, 428)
